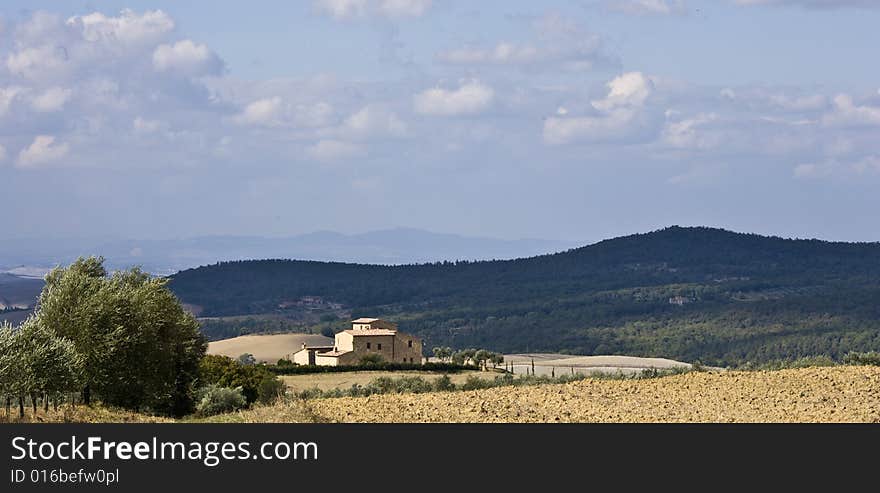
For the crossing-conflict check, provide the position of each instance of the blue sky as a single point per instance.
(572, 120)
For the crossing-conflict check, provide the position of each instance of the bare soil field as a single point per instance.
(827, 394)
(268, 348)
(344, 380)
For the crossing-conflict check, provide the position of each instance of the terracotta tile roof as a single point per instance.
(365, 320)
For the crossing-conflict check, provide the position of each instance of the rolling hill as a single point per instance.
(683, 293)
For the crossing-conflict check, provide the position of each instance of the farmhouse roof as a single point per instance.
(370, 332)
(334, 354)
(364, 320)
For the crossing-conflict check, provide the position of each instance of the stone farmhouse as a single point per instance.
(367, 336)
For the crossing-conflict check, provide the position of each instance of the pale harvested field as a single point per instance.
(344, 380)
(547, 363)
(268, 348)
(830, 394)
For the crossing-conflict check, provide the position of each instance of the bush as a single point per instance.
(475, 383)
(214, 399)
(227, 372)
(871, 358)
(372, 359)
(444, 384)
(270, 389)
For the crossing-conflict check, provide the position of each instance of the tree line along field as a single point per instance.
(722, 298)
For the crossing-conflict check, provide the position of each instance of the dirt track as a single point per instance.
(834, 394)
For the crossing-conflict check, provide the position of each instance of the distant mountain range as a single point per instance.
(683, 293)
(163, 257)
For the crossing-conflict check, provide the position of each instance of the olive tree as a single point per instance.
(140, 348)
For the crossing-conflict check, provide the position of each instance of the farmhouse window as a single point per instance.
(379, 346)
(368, 345)
(409, 343)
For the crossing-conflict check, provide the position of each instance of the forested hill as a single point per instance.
(688, 293)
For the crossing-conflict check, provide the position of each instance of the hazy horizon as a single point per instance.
(565, 121)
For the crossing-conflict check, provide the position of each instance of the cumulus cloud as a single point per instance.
(48, 47)
(470, 98)
(347, 9)
(53, 99)
(374, 121)
(7, 96)
(332, 150)
(275, 112)
(43, 150)
(265, 111)
(620, 114)
(646, 7)
(126, 28)
(847, 113)
(559, 43)
(187, 58)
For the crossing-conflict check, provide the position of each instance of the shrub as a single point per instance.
(372, 359)
(444, 384)
(214, 399)
(871, 358)
(475, 383)
(227, 372)
(270, 389)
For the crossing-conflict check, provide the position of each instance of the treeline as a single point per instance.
(743, 297)
(216, 329)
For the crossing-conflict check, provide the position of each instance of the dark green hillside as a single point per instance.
(743, 297)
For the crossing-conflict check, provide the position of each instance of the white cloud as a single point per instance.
(846, 113)
(127, 28)
(470, 98)
(374, 121)
(43, 150)
(7, 96)
(39, 61)
(689, 134)
(332, 150)
(187, 58)
(621, 116)
(646, 7)
(559, 43)
(818, 4)
(404, 8)
(629, 89)
(52, 99)
(261, 112)
(347, 9)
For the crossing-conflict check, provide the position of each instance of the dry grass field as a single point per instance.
(822, 394)
(818, 394)
(547, 363)
(268, 348)
(344, 380)
(80, 414)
